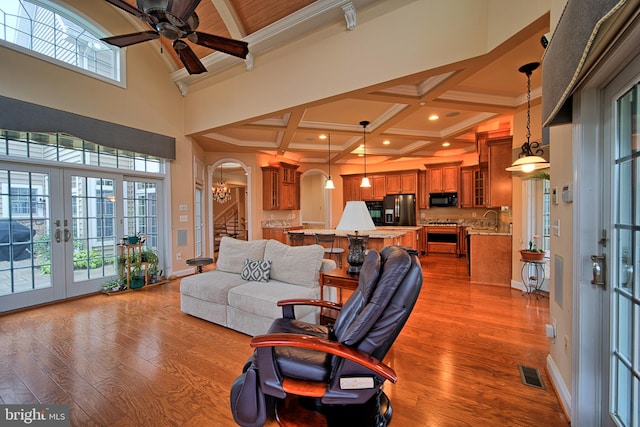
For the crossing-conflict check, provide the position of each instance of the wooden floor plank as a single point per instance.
(135, 360)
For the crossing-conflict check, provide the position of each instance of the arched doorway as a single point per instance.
(315, 211)
(229, 201)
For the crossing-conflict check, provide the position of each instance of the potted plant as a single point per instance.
(137, 278)
(113, 286)
(532, 253)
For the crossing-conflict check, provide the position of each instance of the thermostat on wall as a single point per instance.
(567, 193)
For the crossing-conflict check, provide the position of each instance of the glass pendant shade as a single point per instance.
(365, 181)
(329, 184)
(528, 164)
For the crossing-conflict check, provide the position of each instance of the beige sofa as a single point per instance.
(239, 300)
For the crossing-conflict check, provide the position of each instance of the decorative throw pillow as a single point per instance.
(257, 271)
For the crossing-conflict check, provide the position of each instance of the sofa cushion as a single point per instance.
(256, 270)
(298, 265)
(210, 286)
(261, 298)
(233, 252)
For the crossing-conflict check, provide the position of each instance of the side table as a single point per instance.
(533, 274)
(337, 278)
(199, 262)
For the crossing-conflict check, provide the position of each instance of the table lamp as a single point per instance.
(355, 218)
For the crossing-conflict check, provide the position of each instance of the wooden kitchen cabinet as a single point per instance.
(472, 187)
(465, 196)
(499, 183)
(403, 183)
(281, 187)
(423, 190)
(377, 191)
(351, 187)
(443, 177)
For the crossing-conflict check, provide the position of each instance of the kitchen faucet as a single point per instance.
(496, 214)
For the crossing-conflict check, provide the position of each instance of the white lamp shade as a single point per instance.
(365, 182)
(356, 217)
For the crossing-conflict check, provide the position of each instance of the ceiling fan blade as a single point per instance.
(183, 9)
(188, 58)
(222, 44)
(128, 8)
(130, 39)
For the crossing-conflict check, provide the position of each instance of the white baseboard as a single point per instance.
(517, 285)
(563, 393)
(185, 272)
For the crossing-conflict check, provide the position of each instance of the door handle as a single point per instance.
(67, 235)
(599, 266)
(57, 235)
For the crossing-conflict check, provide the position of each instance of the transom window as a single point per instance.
(64, 148)
(38, 28)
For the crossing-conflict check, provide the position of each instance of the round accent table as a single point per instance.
(199, 262)
(532, 275)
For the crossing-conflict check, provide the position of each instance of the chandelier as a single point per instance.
(221, 191)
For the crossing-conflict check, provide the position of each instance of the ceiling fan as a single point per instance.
(175, 20)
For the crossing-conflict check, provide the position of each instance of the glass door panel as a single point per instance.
(27, 247)
(625, 314)
(92, 231)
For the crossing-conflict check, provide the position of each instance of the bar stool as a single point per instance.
(295, 239)
(329, 239)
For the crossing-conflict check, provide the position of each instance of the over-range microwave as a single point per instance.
(443, 200)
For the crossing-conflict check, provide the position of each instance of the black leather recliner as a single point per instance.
(337, 369)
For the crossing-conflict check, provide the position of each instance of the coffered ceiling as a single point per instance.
(479, 94)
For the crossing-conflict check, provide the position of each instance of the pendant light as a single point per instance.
(329, 184)
(529, 158)
(221, 191)
(365, 181)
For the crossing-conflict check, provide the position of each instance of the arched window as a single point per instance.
(49, 32)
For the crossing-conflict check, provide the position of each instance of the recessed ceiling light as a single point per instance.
(386, 142)
(446, 144)
(434, 117)
(323, 136)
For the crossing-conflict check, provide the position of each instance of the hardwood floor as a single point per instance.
(134, 359)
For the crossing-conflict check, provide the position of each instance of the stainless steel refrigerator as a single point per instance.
(400, 209)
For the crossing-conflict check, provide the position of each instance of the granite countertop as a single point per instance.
(400, 227)
(485, 232)
(373, 234)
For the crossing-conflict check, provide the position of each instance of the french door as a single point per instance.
(624, 293)
(59, 230)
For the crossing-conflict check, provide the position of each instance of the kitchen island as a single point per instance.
(378, 238)
(490, 257)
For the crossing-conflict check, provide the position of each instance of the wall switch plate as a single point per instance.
(183, 208)
(183, 218)
(555, 196)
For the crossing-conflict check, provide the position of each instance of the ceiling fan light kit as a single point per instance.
(530, 157)
(175, 20)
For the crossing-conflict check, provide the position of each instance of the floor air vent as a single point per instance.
(531, 377)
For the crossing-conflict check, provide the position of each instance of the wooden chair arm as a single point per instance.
(326, 346)
(313, 302)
